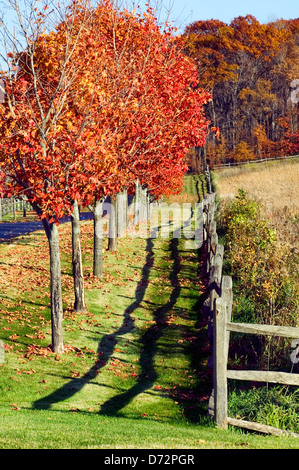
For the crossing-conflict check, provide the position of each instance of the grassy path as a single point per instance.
(135, 372)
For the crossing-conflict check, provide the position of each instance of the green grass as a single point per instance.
(134, 374)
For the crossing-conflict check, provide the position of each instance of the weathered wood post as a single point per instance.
(144, 204)
(215, 278)
(112, 236)
(78, 276)
(14, 209)
(227, 297)
(212, 241)
(205, 218)
(220, 363)
(121, 213)
(208, 180)
(24, 208)
(137, 203)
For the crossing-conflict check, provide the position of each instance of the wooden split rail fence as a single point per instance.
(12, 206)
(219, 305)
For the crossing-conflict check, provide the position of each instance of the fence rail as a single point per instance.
(261, 160)
(220, 327)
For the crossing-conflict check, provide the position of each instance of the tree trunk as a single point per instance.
(98, 238)
(148, 206)
(126, 210)
(137, 203)
(112, 240)
(56, 295)
(122, 205)
(79, 305)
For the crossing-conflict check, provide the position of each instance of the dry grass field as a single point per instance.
(275, 185)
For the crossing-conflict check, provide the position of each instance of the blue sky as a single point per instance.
(184, 12)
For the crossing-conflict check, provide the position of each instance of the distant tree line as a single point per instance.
(252, 71)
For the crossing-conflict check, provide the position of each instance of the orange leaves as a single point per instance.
(249, 66)
(13, 337)
(118, 107)
(34, 350)
(218, 47)
(15, 406)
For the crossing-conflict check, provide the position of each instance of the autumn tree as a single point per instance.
(150, 109)
(43, 138)
(249, 68)
(91, 105)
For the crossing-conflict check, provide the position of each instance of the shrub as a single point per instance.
(264, 287)
(275, 406)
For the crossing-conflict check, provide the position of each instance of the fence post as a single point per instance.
(208, 180)
(14, 208)
(215, 274)
(220, 364)
(137, 203)
(24, 207)
(227, 297)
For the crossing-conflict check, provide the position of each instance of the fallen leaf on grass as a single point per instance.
(38, 336)
(13, 337)
(75, 374)
(29, 372)
(34, 350)
(14, 406)
(74, 410)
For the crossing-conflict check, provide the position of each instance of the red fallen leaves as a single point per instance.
(13, 337)
(28, 372)
(75, 374)
(15, 406)
(38, 336)
(35, 350)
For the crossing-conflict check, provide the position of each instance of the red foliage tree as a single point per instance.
(102, 100)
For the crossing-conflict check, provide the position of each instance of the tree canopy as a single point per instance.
(249, 67)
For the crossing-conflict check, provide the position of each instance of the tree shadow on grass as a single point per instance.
(194, 400)
(149, 340)
(107, 343)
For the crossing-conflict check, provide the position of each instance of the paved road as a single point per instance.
(9, 230)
